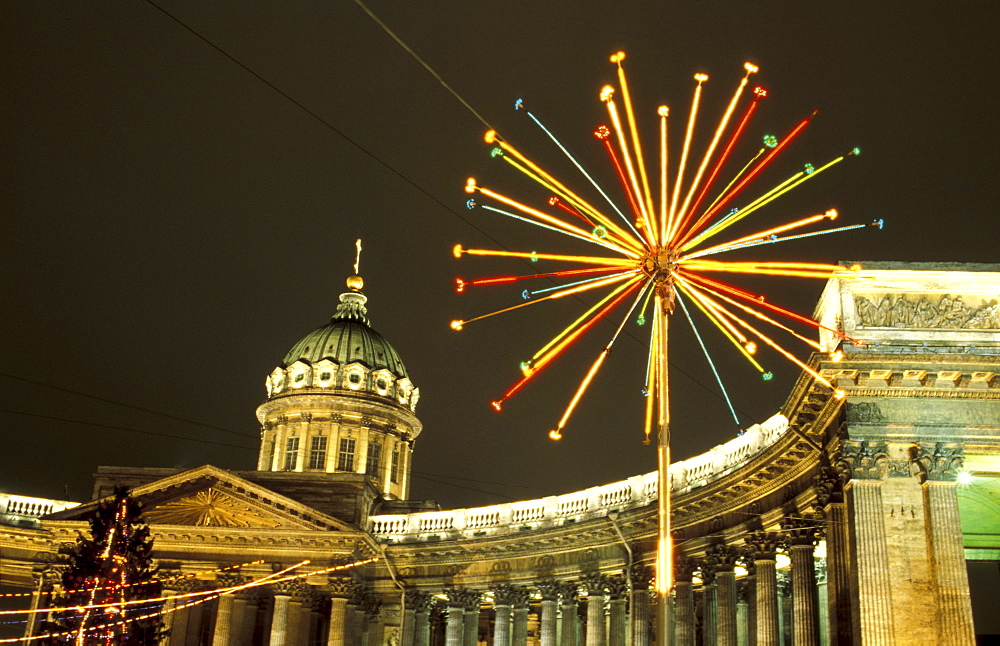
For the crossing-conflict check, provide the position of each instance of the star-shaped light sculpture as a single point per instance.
(660, 251)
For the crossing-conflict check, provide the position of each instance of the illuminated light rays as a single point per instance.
(759, 93)
(708, 357)
(461, 285)
(617, 58)
(553, 183)
(556, 433)
(736, 189)
(663, 257)
(567, 339)
(460, 324)
(683, 212)
(673, 215)
(196, 599)
(580, 168)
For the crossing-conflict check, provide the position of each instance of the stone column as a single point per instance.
(617, 610)
(503, 601)
(417, 604)
(823, 602)
(550, 599)
(723, 559)
(684, 617)
(339, 588)
(641, 577)
(742, 614)
(785, 607)
(710, 605)
(830, 501)
(764, 546)
(569, 593)
(871, 606)
(522, 597)
(939, 463)
(801, 535)
(455, 631)
(473, 606)
(374, 625)
(245, 603)
(224, 631)
(421, 620)
(279, 619)
(354, 616)
(750, 591)
(596, 585)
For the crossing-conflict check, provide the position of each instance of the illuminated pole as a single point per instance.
(664, 565)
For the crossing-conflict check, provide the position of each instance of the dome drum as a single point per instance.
(325, 374)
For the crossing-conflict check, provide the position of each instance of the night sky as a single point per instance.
(172, 223)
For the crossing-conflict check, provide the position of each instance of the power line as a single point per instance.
(122, 428)
(385, 164)
(125, 405)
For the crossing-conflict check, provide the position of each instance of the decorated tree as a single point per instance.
(109, 573)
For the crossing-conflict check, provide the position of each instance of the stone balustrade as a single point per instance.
(24, 507)
(553, 511)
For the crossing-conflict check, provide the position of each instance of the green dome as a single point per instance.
(348, 338)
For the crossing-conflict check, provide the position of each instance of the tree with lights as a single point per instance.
(109, 572)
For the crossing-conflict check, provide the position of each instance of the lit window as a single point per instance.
(317, 453)
(374, 459)
(324, 376)
(291, 453)
(345, 459)
(394, 466)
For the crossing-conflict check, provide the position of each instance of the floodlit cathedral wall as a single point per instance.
(837, 521)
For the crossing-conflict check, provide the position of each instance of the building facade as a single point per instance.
(841, 520)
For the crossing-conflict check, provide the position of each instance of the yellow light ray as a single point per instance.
(773, 195)
(790, 269)
(738, 340)
(736, 215)
(750, 69)
(759, 315)
(458, 325)
(761, 235)
(636, 143)
(692, 118)
(579, 202)
(554, 221)
(531, 255)
(556, 433)
(647, 226)
(582, 318)
(728, 186)
(611, 241)
(663, 112)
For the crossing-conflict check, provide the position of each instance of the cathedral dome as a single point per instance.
(348, 338)
(346, 354)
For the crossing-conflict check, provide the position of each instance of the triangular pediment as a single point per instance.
(211, 497)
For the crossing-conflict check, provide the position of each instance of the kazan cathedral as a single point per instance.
(853, 520)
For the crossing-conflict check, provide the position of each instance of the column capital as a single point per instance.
(595, 583)
(288, 588)
(938, 460)
(230, 579)
(863, 460)
(505, 594)
(829, 486)
(641, 575)
(472, 600)
(617, 587)
(419, 601)
(340, 586)
(722, 557)
(707, 570)
(764, 545)
(802, 531)
(570, 592)
(549, 589)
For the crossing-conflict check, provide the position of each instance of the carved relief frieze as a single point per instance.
(864, 413)
(926, 312)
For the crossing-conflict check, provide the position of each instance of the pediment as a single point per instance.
(211, 497)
